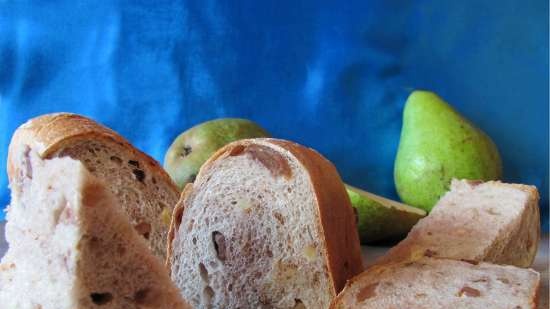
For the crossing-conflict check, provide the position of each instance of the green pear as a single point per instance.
(438, 144)
(381, 219)
(193, 147)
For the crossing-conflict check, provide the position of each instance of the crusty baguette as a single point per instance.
(267, 224)
(141, 186)
(72, 247)
(441, 284)
(492, 222)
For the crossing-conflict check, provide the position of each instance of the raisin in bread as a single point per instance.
(441, 284)
(140, 185)
(267, 224)
(72, 247)
(492, 222)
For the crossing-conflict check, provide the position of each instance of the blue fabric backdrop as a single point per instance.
(329, 75)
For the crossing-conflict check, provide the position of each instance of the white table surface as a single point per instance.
(371, 253)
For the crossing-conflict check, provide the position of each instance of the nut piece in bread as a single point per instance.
(140, 185)
(72, 247)
(266, 224)
(440, 284)
(483, 221)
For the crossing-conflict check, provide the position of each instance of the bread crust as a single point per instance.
(175, 221)
(336, 217)
(51, 132)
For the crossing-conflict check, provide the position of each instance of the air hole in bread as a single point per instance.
(116, 160)
(208, 294)
(143, 229)
(203, 272)
(219, 245)
(298, 304)
(133, 163)
(367, 292)
(139, 174)
(178, 215)
(101, 298)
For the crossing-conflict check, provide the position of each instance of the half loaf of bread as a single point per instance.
(267, 224)
(139, 184)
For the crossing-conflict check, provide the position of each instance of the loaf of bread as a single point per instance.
(441, 284)
(492, 221)
(140, 185)
(72, 247)
(267, 224)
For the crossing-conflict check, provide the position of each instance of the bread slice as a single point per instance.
(267, 224)
(492, 221)
(72, 247)
(441, 284)
(140, 185)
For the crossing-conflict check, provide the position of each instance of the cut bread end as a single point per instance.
(482, 221)
(267, 224)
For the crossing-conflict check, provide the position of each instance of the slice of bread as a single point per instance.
(492, 222)
(72, 247)
(140, 185)
(441, 284)
(267, 224)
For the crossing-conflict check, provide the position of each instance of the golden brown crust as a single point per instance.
(175, 222)
(52, 132)
(336, 215)
(535, 300)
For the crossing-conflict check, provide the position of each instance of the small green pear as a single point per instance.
(193, 147)
(438, 144)
(381, 219)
